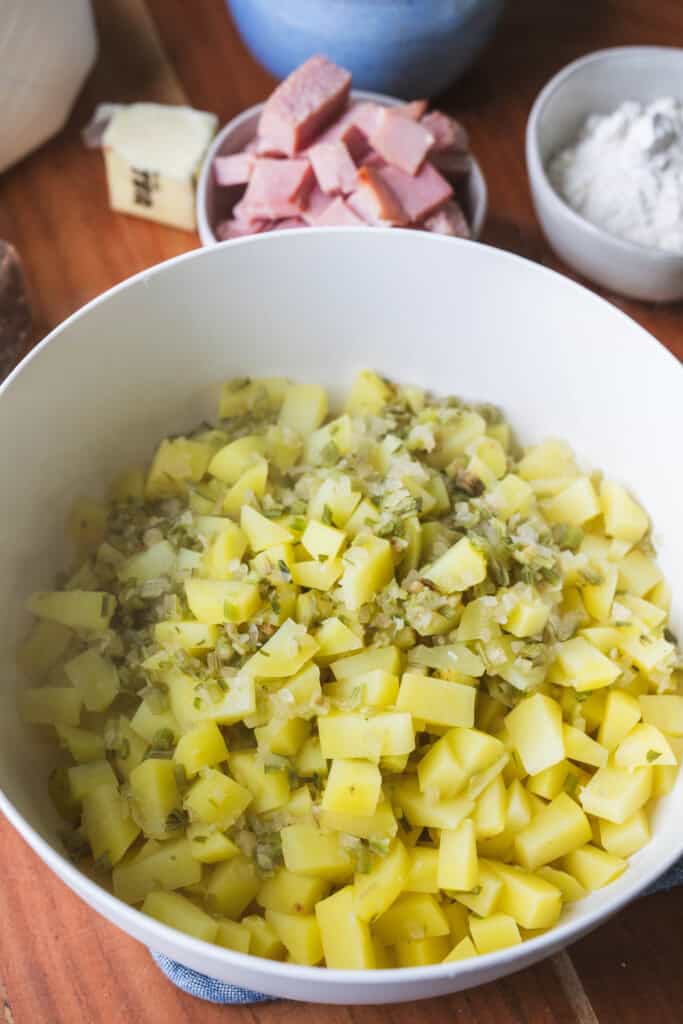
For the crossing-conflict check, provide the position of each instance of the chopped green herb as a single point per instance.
(327, 515)
(653, 755)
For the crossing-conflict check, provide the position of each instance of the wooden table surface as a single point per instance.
(59, 962)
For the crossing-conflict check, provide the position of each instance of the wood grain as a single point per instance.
(59, 962)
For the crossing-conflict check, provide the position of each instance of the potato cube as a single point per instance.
(644, 745)
(458, 866)
(262, 533)
(638, 574)
(46, 644)
(83, 745)
(584, 666)
(617, 793)
(188, 706)
(463, 950)
(575, 505)
(621, 712)
(86, 778)
(411, 917)
(240, 396)
(216, 799)
(531, 901)
(223, 550)
(570, 889)
(218, 601)
(493, 933)
(386, 734)
(535, 730)
(251, 485)
(336, 493)
(626, 839)
(347, 943)
(291, 894)
(210, 847)
(519, 812)
(623, 517)
(645, 651)
(598, 597)
(232, 886)
(560, 827)
(149, 724)
(310, 761)
(317, 575)
(364, 517)
(368, 395)
(304, 687)
(550, 458)
(440, 770)
(282, 736)
(300, 935)
(375, 891)
(304, 408)
(202, 747)
(423, 868)
(645, 611)
(387, 659)
(368, 567)
(374, 689)
(380, 825)
(264, 940)
(233, 459)
(231, 935)
(437, 701)
(491, 808)
(509, 496)
(663, 780)
(580, 747)
(528, 616)
(665, 711)
(50, 705)
(155, 561)
(550, 781)
(453, 438)
(284, 654)
(421, 809)
(175, 463)
(155, 796)
(309, 851)
(485, 898)
(176, 911)
(77, 609)
(107, 823)
(353, 787)
(422, 952)
(335, 638)
(593, 868)
(323, 541)
(269, 788)
(95, 678)
(449, 658)
(300, 804)
(170, 866)
(461, 567)
(193, 637)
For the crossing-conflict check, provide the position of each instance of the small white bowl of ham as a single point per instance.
(446, 193)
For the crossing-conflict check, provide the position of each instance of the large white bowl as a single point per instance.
(213, 203)
(144, 360)
(598, 84)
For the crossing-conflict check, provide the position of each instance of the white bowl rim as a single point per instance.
(537, 169)
(557, 937)
(204, 228)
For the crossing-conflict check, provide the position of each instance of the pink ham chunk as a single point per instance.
(419, 194)
(365, 116)
(277, 189)
(234, 169)
(237, 228)
(402, 142)
(347, 131)
(339, 215)
(333, 167)
(288, 223)
(448, 133)
(448, 220)
(305, 103)
(374, 200)
(316, 205)
(414, 110)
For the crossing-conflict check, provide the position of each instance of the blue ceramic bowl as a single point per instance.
(408, 48)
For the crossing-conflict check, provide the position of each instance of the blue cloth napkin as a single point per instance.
(213, 991)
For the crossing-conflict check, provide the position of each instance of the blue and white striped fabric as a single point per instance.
(196, 984)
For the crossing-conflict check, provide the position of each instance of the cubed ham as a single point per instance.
(419, 194)
(448, 133)
(277, 189)
(234, 169)
(452, 163)
(305, 103)
(372, 159)
(374, 200)
(448, 220)
(345, 130)
(288, 223)
(414, 110)
(339, 215)
(316, 205)
(237, 228)
(365, 116)
(402, 142)
(266, 147)
(333, 167)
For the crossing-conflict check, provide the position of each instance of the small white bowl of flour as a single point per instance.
(605, 159)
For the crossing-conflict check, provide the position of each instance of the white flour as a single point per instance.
(625, 173)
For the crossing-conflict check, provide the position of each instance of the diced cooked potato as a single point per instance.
(231, 461)
(412, 916)
(95, 678)
(290, 893)
(580, 747)
(155, 796)
(558, 829)
(46, 644)
(309, 851)
(77, 609)
(215, 799)
(178, 912)
(644, 745)
(218, 601)
(575, 504)
(463, 950)
(531, 901)
(264, 940)
(368, 566)
(234, 936)
(368, 395)
(232, 886)
(202, 746)
(421, 952)
(157, 560)
(493, 933)
(387, 659)
(458, 866)
(268, 787)
(284, 654)
(535, 729)
(626, 839)
(107, 823)
(665, 711)
(346, 940)
(210, 847)
(50, 705)
(624, 518)
(353, 787)
(584, 666)
(86, 778)
(593, 868)
(617, 793)
(621, 712)
(423, 868)
(436, 700)
(299, 934)
(461, 567)
(376, 890)
(422, 809)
